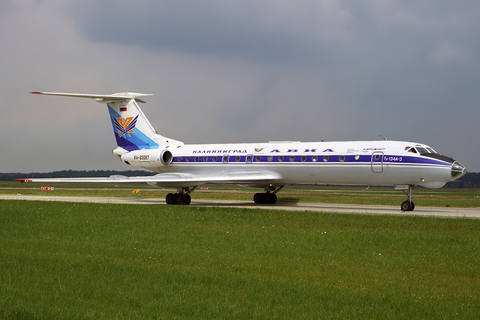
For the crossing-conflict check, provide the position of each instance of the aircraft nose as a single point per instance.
(458, 170)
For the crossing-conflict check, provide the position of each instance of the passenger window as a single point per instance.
(325, 159)
(280, 159)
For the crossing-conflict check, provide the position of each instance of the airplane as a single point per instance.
(270, 165)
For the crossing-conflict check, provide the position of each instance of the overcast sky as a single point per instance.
(238, 71)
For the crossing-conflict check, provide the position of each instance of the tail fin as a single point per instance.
(132, 129)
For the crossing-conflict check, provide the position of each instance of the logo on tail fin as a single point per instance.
(125, 126)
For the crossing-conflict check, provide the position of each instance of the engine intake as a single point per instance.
(166, 157)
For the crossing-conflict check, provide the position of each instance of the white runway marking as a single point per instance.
(450, 212)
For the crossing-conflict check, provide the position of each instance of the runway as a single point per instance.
(447, 212)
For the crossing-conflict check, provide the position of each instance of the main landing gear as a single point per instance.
(408, 205)
(182, 197)
(269, 197)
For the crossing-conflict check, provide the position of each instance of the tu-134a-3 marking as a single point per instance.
(269, 166)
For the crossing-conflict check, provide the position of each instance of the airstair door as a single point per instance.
(377, 162)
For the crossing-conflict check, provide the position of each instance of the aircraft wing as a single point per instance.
(176, 180)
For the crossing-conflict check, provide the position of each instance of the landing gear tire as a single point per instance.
(408, 206)
(259, 197)
(178, 198)
(186, 199)
(170, 198)
(270, 198)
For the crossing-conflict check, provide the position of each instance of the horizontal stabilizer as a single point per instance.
(105, 98)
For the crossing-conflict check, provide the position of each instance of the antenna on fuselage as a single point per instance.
(384, 138)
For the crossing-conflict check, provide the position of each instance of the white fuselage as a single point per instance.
(347, 163)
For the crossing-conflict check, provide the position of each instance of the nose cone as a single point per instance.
(458, 170)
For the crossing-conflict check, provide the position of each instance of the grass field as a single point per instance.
(91, 261)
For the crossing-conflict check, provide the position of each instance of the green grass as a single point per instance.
(90, 261)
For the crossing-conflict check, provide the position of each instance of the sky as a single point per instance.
(238, 71)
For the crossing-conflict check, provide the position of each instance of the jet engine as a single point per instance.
(148, 158)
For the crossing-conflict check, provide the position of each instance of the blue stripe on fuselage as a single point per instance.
(348, 160)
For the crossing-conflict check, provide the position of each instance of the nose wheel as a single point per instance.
(408, 205)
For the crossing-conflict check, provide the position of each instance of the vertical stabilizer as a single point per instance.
(132, 129)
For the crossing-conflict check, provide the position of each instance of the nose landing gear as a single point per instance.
(407, 205)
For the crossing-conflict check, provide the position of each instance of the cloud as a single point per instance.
(261, 29)
(447, 52)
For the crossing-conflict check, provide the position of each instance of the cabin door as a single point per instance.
(377, 162)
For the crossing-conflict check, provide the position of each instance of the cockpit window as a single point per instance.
(425, 150)
(422, 150)
(410, 149)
